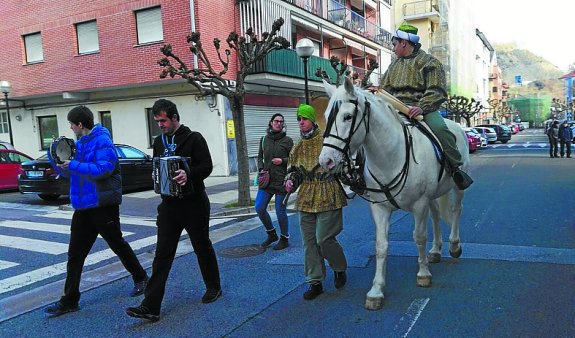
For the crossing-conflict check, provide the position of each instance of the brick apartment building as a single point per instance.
(103, 54)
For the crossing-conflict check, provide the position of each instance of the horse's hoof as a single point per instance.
(457, 253)
(374, 304)
(424, 281)
(434, 257)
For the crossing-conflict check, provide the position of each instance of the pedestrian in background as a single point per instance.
(553, 134)
(273, 156)
(565, 135)
(96, 195)
(319, 202)
(190, 212)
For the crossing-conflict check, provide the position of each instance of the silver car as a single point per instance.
(489, 133)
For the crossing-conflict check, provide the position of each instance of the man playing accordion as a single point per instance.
(190, 211)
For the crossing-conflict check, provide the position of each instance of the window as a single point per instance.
(106, 121)
(87, 34)
(48, 130)
(4, 122)
(153, 129)
(33, 46)
(149, 25)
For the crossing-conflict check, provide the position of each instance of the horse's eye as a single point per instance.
(347, 117)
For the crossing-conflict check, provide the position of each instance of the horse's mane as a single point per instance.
(381, 102)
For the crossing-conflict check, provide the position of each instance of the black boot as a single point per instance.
(339, 279)
(461, 179)
(272, 237)
(314, 290)
(282, 244)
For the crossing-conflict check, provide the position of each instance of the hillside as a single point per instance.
(539, 75)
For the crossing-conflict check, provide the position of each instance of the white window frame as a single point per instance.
(149, 25)
(87, 37)
(33, 46)
(4, 122)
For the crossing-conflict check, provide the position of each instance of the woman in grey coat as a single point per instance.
(273, 156)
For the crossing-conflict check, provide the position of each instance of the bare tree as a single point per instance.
(248, 49)
(341, 69)
(460, 106)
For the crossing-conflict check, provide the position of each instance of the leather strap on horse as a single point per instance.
(427, 132)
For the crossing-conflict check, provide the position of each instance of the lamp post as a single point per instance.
(304, 49)
(6, 88)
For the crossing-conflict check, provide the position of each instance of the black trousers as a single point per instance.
(563, 145)
(193, 215)
(553, 147)
(86, 225)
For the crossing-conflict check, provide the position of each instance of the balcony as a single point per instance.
(286, 63)
(426, 9)
(346, 18)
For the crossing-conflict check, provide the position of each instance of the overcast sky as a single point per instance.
(544, 27)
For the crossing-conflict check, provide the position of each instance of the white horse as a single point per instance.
(401, 172)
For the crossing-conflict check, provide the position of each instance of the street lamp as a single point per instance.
(304, 49)
(6, 88)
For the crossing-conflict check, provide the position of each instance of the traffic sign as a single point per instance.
(518, 79)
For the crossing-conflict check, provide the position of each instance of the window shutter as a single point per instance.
(149, 25)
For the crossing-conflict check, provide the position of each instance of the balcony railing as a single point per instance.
(346, 18)
(286, 62)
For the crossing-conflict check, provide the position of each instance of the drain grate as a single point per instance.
(242, 251)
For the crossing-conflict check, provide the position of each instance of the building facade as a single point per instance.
(103, 54)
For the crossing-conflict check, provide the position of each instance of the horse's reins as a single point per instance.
(399, 179)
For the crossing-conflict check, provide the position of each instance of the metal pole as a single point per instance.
(305, 80)
(8, 113)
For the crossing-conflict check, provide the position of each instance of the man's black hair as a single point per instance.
(163, 105)
(81, 114)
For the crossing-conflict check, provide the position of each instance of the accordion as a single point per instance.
(164, 170)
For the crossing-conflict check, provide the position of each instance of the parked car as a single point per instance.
(474, 141)
(503, 133)
(10, 167)
(489, 133)
(475, 132)
(513, 127)
(38, 176)
(6, 145)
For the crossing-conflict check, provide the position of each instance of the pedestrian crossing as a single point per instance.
(46, 233)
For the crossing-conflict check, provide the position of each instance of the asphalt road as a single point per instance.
(514, 279)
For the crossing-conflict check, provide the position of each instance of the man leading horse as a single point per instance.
(418, 79)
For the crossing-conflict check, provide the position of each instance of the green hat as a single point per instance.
(407, 32)
(306, 111)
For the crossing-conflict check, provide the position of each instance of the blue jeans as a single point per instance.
(263, 198)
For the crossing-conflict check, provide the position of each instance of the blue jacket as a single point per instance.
(565, 133)
(95, 178)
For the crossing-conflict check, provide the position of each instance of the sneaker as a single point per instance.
(339, 279)
(58, 309)
(314, 290)
(211, 295)
(139, 287)
(272, 237)
(142, 312)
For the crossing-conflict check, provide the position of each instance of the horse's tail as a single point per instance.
(450, 205)
(445, 208)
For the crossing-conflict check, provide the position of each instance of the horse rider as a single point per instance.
(418, 79)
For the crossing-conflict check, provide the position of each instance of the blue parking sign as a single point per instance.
(518, 79)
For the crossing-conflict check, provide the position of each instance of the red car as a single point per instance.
(474, 141)
(10, 167)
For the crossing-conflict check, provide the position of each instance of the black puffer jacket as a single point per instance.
(275, 145)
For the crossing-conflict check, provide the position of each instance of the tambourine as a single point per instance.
(62, 149)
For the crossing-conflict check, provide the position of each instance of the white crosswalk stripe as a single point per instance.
(55, 248)
(6, 264)
(36, 245)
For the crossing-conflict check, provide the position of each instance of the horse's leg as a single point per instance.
(435, 252)
(455, 249)
(420, 214)
(381, 215)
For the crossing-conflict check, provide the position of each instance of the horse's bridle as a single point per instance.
(350, 175)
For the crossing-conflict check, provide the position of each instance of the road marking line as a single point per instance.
(6, 264)
(407, 321)
(20, 206)
(124, 219)
(33, 276)
(36, 245)
(47, 227)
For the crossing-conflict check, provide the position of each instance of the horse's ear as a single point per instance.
(348, 85)
(329, 89)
